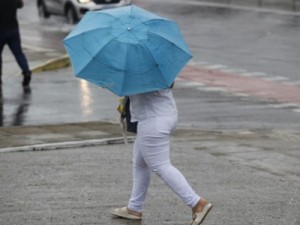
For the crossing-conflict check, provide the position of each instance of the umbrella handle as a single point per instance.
(124, 132)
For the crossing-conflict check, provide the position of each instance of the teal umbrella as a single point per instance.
(127, 50)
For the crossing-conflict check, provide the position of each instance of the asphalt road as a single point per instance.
(81, 185)
(248, 40)
(221, 39)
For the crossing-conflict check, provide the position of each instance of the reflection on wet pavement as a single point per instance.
(86, 98)
(1, 107)
(22, 102)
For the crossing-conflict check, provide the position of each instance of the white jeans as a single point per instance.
(151, 154)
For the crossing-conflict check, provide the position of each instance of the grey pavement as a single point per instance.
(80, 185)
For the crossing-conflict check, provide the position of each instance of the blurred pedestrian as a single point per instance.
(156, 114)
(10, 35)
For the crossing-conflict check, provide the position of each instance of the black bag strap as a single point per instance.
(20, 4)
(131, 126)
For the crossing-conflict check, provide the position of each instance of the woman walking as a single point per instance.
(156, 113)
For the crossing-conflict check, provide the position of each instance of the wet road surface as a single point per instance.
(243, 43)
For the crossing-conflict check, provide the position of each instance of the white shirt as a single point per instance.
(151, 104)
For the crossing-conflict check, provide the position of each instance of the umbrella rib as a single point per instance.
(86, 31)
(93, 56)
(168, 41)
(150, 53)
(146, 47)
(116, 18)
(122, 88)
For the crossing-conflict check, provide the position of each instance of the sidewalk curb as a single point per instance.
(53, 64)
(66, 145)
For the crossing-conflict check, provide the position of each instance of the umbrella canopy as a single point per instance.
(127, 50)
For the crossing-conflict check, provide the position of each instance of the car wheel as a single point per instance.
(71, 15)
(42, 10)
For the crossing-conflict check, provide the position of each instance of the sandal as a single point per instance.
(123, 213)
(198, 218)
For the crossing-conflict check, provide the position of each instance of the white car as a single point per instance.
(73, 10)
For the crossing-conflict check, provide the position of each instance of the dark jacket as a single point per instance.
(8, 14)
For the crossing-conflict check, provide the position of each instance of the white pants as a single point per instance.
(151, 154)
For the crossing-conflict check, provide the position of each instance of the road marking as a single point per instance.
(188, 84)
(266, 89)
(215, 67)
(242, 95)
(235, 71)
(278, 78)
(284, 105)
(296, 110)
(254, 74)
(212, 89)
